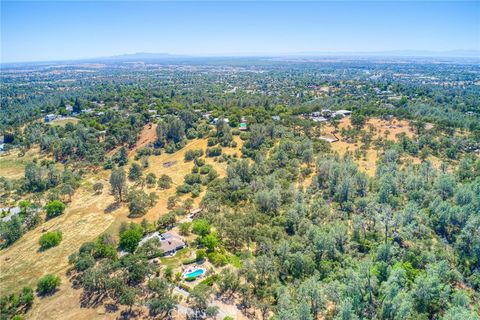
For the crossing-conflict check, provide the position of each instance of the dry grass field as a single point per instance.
(22, 263)
(63, 121)
(178, 170)
(384, 129)
(64, 304)
(84, 219)
(12, 163)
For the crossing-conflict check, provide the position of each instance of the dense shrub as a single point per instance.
(200, 227)
(50, 239)
(214, 152)
(184, 188)
(193, 154)
(130, 238)
(48, 284)
(217, 259)
(164, 182)
(54, 209)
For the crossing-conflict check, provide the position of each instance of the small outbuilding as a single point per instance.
(341, 113)
(50, 117)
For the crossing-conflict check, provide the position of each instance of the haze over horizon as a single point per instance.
(49, 31)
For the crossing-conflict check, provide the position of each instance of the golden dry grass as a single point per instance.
(64, 304)
(178, 170)
(380, 129)
(13, 163)
(84, 220)
(367, 164)
(22, 264)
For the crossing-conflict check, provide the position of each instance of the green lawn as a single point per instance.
(177, 259)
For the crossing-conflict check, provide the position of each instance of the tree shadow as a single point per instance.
(91, 300)
(46, 294)
(130, 314)
(112, 207)
(111, 307)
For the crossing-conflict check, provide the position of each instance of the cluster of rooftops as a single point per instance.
(326, 114)
(317, 116)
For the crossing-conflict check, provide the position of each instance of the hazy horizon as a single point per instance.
(453, 54)
(54, 31)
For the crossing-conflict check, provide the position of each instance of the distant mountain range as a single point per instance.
(392, 53)
(141, 56)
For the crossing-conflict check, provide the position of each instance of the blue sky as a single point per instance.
(37, 31)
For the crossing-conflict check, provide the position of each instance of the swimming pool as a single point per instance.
(194, 274)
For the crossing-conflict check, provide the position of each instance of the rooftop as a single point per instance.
(169, 241)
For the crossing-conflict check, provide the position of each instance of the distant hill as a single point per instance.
(141, 56)
(148, 56)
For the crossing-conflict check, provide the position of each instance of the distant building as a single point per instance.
(98, 104)
(243, 124)
(224, 120)
(50, 117)
(387, 106)
(194, 212)
(243, 127)
(341, 113)
(8, 213)
(171, 243)
(317, 116)
(326, 112)
(152, 112)
(319, 119)
(328, 139)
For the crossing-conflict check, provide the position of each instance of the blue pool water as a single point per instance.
(195, 273)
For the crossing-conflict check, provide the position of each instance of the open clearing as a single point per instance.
(61, 122)
(384, 129)
(22, 264)
(178, 170)
(13, 163)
